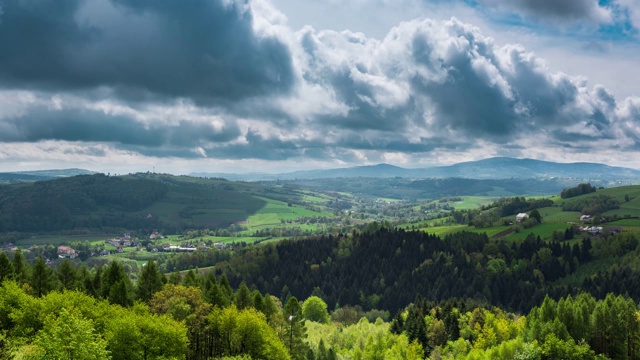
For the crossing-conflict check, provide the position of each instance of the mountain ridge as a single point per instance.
(489, 168)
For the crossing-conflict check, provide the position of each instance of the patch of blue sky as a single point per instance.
(619, 30)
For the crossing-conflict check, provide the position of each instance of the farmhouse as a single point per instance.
(65, 252)
(176, 248)
(585, 218)
(521, 217)
(595, 230)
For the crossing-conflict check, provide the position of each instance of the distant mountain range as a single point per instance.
(492, 168)
(39, 175)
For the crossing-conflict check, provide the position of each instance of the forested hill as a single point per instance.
(39, 175)
(387, 269)
(140, 201)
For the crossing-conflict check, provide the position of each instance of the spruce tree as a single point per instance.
(216, 297)
(67, 275)
(20, 267)
(243, 297)
(295, 332)
(149, 282)
(6, 268)
(42, 280)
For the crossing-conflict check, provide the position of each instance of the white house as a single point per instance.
(585, 218)
(522, 217)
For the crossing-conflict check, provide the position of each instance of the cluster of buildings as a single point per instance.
(597, 230)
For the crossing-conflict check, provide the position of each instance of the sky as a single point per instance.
(120, 86)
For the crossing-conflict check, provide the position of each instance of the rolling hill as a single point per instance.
(492, 168)
(138, 201)
(40, 175)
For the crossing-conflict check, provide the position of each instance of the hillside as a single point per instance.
(139, 201)
(39, 175)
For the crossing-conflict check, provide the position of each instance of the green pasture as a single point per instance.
(555, 214)
(630, 208)
(138, 256)
(626, 222)
(544, 230)
(619, 193)
(61, 239)
(444, 230)
(313, 199)
(273, 211)
(231, 239)
(491, 231)
(473, 202)
(389, 200)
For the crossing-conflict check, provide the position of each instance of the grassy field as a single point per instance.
(626, 222)
(627, 208)
(273, 211)
(444, 230)
(473, 202)
(62, 239)
(489, 231)
(555, 214)
(544, 230)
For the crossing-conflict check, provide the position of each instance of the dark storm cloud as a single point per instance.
(553, 9)
(96, 126)
(258, 147)
(205, 50)
(397, 143)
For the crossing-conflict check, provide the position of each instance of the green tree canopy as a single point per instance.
(69, 337)
(245, 332)
(315, 309)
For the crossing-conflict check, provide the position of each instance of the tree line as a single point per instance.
(387, 268)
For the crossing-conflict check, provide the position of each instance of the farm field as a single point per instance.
(544, 230)
(555, 214)
(274, 211)
(62, 239)
(473, 202)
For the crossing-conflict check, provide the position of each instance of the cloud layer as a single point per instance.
(225, 79)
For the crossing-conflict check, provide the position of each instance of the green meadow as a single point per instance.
(274, 211)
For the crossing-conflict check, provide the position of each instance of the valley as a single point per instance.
(404, 258)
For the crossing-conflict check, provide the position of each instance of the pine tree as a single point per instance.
(174, 278)
(225, 286)
(295, 332)
(116, 286)
(190, 279)
(149, 282)
(243, 297)
(258, 301)
(93, 286)
(20, 267)
(120, 294)
(216, 297)
(6, 268)
(42, 279)
(67, 275)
